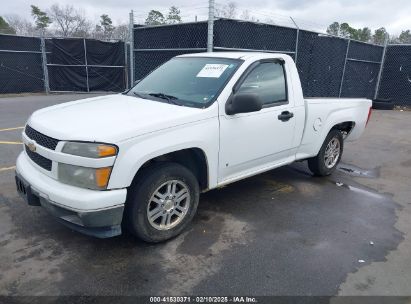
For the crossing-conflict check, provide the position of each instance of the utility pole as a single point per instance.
(210, 32)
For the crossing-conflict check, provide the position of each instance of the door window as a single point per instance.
(268, 81)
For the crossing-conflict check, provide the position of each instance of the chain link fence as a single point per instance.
(329, 66)
(21, 65)
(154, 45)
(32, 64)
(396, 75)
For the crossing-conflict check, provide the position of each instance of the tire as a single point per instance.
(319, 164)
(160, 178)
(382, 104)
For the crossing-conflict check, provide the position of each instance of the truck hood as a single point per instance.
(112, 118)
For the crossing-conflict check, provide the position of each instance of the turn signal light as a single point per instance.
(104, 150)
(102, 177)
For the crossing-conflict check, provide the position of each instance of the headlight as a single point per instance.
(91, 178)
(91, 150)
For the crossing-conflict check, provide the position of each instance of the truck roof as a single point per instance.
(235, 55)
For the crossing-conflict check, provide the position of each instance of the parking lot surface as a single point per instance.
(284, 232)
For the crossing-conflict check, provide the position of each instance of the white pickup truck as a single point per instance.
(140, 159)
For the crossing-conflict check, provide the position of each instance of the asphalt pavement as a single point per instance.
(284, 232)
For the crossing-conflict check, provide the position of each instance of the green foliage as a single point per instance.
(334, 29)
(173, 15)
(364, 34)
(346, 31)
(155, 18)
(106, 23)
(5, 28)
(41, 19)
(380, 35)
(405, 37)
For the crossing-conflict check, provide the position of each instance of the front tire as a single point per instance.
(329, 155)
(162, 202)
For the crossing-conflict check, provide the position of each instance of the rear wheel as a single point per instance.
(329, 156)
(162, 202)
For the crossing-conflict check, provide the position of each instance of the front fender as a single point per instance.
(134, 153)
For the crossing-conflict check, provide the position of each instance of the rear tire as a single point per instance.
(329, 155)
(161, 202)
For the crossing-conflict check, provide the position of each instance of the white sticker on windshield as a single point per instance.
(212, 70)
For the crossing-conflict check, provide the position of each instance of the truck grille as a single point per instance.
(41, 139)
(40, 160)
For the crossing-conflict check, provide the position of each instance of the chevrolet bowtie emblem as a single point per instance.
(32, 147)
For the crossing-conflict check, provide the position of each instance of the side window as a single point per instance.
(268, 81)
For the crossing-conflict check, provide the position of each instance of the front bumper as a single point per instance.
(96, 213)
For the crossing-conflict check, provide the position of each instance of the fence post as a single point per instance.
(85, 61)
(44, 65)
(210, 30)
(377, 87)
(345, 65)
(126, 65)
(131, 39)
(296, 40)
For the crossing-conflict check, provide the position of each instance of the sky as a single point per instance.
(394, 15)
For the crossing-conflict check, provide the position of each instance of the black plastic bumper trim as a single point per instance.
(100, 223)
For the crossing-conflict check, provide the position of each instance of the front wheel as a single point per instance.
(162, 202)
(329, 156)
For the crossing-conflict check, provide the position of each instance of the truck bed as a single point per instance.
(324, 112)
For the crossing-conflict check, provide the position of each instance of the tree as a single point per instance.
(5, 28)
(364, 34)
(107, 26)
(98, 32)
(345, 30)
(227, 11)
(334, 29)
(246, 15)
(41, 20)
(353, 33)
(69, 21)
(405, 37)
(173, 15)
(155, 18)
(121, 32)
(380, 35)
(22, 26)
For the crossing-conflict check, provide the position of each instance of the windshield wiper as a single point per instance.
(139, 95)
(170, 98)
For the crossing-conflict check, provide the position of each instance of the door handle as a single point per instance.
(285, 116)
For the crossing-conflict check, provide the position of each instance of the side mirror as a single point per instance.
(243, 103)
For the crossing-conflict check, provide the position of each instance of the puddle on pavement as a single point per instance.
(358, 172)
(359, 190)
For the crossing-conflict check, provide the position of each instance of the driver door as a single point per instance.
(256, 141)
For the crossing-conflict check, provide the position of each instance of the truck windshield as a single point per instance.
(188, 81)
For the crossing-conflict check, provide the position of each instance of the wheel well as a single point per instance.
(345, 127)
(193, 159)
